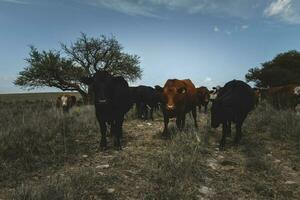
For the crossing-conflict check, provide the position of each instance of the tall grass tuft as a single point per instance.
(280, 124)
(175, 170)
(36, 136)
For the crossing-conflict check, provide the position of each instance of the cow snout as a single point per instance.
(170, 107)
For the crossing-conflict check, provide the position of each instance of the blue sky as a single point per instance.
(208, 41)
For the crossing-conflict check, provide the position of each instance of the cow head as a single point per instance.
(174, 93)
(297, 91)
(100, 82)
(203, 94)
(66, 101)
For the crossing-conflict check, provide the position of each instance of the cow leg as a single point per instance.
(183, 122)
(238, 135)
(229, 128)
(121, 130)
(118, 133)
(178, 122)
(151, 113)
(224, 134)
(103, 128)
(139, 110)
(145, 112)
(194, 113)
(166, 122)
(199, 108)
(205, 108)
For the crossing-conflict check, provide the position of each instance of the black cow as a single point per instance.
(233, 103)
(146, 99)
(112, 102)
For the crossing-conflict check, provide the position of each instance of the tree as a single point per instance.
(282, 70)
(82, 58)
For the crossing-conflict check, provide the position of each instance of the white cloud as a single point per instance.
(207, 79)
(277, 7)
(15, 1)
(243, 27)
(216, 29)
(285, 10)
(126, 6)
(228, 32)
(152, 7)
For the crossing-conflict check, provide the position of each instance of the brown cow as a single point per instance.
(203, 96)
(287, 96)
(65, 102)
(178, 98)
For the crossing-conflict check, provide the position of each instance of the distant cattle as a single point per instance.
(283, 97)
(146, 99)
(203, 97)
(112, 102)
(233, 103)
(257, 96)
(65, 102)
(178, 98)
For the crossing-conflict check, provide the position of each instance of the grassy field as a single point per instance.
(45, 154)
(21, 97)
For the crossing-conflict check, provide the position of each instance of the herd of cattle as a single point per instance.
(113, 98)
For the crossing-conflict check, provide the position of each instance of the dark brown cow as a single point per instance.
(178, 98)
(203, 96)
(65, 102)
(287, 96)
(233, 103)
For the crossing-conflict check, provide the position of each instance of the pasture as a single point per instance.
(45, 154)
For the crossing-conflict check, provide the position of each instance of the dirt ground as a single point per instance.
(259, 168)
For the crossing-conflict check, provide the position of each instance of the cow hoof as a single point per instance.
(103, 148)
(221, 148)
(236, 144)
(165, 136)
(118, 148)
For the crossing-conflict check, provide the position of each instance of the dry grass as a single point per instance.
(36, 136)
(48, 155)
(83, 184)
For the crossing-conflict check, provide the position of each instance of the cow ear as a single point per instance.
(87, 80)
(182, 90)
(159, 89)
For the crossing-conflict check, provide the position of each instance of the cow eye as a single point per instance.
(181, 90)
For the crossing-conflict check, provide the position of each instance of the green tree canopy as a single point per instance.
(82, 58)
(282, 70)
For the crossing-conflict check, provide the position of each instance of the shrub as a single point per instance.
(281, 124)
